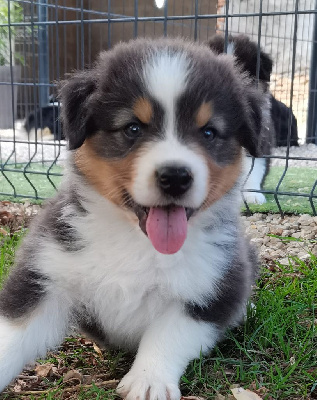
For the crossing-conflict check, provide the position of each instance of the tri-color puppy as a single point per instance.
(142, 246)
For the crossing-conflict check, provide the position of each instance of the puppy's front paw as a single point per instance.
(142, 385)
(254, 197)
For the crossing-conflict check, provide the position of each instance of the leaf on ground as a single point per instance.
(3, 232)
(97, 350)
(5, 216)
(73, 374)
(44, 370)
(192, 398)
(220, 397)
(19, 386)
(242, 394)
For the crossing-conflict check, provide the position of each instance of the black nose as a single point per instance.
(174, 181)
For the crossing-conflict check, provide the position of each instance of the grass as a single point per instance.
(272, 353)
(44, 182)
(298, 180)
(8, 245)
(275, 350)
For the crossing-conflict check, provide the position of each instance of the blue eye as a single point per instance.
(132, 131)
(209, 133)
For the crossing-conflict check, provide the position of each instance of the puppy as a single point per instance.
(46, 121)
(142, 246)
(281, 115)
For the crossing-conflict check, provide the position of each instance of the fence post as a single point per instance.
(43, 54)
(311, 136)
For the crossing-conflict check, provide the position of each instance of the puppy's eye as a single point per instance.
(132, 131)
(209, 132)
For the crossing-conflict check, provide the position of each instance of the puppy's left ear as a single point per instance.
(249, 132)
(75, 95)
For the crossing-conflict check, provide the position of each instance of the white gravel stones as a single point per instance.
(15, 147)
(303, 228)
(306, 151)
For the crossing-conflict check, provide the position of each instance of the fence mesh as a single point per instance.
(41, 41)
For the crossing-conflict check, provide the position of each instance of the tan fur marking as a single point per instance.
(221, 179)
(203, 114)
(110, 178)
(143, 110)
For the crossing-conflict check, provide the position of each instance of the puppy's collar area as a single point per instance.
(165, 226)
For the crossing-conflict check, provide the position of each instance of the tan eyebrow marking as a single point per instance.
(143, 110)
(203, 114)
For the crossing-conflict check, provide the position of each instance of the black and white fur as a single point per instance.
(86, 261)
(246, 54)
(275, 126)
(45, 123)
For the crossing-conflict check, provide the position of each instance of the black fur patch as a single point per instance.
(233, 291)
(46, 117)
(54, 224)
(93, 329)
(22, 291)
(76, 115)
(280, 115)
(246, 52)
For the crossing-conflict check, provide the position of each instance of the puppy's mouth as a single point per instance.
(165, 226)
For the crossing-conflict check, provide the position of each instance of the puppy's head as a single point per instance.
(157, 127)
(246, 55)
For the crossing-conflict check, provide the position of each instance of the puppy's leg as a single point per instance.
(164, 352)
(255, 179)
(33, 318)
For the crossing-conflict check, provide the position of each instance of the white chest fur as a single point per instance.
(125, 282)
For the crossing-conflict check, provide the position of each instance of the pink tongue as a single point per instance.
(167, 228)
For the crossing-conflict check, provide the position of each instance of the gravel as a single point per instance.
(258, 227)
(305, 151)
(302, 229)
(45, 149)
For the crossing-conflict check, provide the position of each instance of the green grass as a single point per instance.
(8, 245)
(276, 348)
(298, 180)
(37, 175)
(274, 352)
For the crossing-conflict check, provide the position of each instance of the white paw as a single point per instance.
(255, 198)
(145, 386)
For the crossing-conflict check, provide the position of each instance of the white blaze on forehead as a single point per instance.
(165, 76)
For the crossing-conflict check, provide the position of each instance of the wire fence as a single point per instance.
(41, 41)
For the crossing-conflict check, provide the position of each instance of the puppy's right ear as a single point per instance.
(75, 95)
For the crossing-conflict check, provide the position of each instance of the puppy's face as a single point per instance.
(157, 129)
